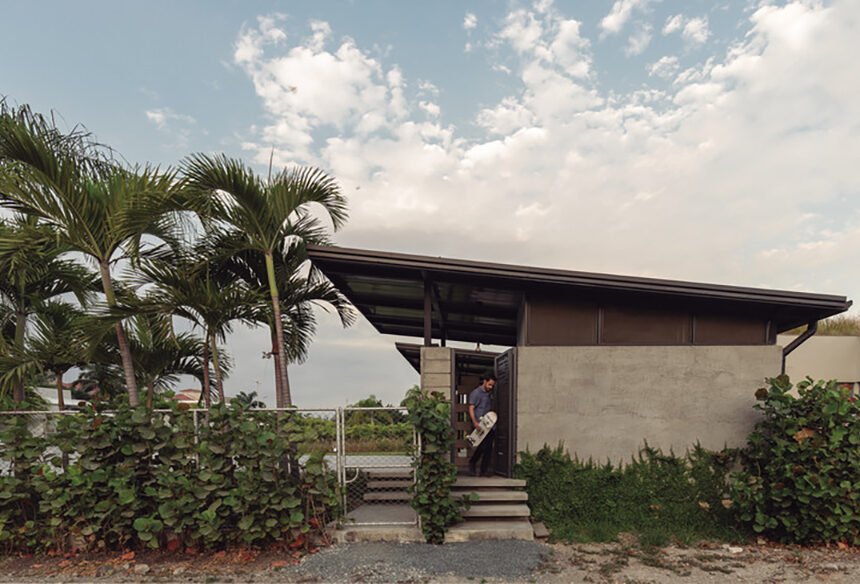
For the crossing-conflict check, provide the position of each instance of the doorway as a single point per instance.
(468, 367)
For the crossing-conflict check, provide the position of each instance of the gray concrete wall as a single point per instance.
(823, 357)
(437, 369)
(603, 402)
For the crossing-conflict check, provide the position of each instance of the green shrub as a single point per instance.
(801, 477)
(655, 495)
(138, 478)
(19, 489)
(434, 472)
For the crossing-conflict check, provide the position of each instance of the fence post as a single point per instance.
(339, 447)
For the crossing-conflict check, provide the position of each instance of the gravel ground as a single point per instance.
(418, 562)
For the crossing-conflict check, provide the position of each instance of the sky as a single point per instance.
(712, 141)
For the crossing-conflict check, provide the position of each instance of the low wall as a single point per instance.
(603, 402)
(824, 357)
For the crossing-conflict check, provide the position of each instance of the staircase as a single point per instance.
(500, 512)
(388, 486)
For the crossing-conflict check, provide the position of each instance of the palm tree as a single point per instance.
(249, 400)
(301, 286)
(184, 287)
(33, 272)
(161, 356)
(96, 207)
(230, 196)
(56, 342)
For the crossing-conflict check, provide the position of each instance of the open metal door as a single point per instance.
(506, 407)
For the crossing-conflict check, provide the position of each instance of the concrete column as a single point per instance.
(437, 369)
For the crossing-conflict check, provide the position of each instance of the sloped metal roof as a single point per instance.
(480, 301)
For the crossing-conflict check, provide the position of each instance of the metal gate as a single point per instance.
(375, 451)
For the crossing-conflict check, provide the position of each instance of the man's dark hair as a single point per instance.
(488, 377)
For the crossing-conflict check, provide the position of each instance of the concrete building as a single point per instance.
(599, 362)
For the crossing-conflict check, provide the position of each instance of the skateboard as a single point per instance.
(485, 423)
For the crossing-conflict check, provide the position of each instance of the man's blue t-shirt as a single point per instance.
(481, 400)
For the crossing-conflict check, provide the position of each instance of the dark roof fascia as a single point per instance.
(523, 274)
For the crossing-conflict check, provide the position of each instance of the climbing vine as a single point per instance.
(434, 472)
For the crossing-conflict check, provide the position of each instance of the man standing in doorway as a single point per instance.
(479, 404)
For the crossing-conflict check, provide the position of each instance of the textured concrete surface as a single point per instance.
(491, 529)
(823, 358)
(604, 402)
(436, 372)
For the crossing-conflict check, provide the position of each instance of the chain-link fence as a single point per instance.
(376, 447)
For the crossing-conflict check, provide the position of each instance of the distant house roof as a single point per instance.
(191, 396)
(479, 301)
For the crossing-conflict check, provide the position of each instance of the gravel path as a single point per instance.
(417, 562)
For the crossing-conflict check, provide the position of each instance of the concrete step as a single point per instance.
(519, 528)
(497, 510)
(389, 533)
(389, 484)
(489, 496)
(488, 482)
(387, 496)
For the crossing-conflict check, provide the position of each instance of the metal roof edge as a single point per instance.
(571, 277)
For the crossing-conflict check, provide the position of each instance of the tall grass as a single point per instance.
(656, 496)
(839, 325)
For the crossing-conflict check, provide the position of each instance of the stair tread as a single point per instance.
(389, 484)
(485, 495)
(473, 530)
(497, 510)
(478, 482)
(388, 496)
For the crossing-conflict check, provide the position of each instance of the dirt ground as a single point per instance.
(630, 564)
(624, 562)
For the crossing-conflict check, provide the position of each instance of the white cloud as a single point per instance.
(665, 68)
(673, 24)
(309, 87)
(523, 31)
(162, 117)
(694, 31)
(431, 108)
(719, 165)
(506, 118)
(638, 41)
(620, 14)
(470, 21)
(174, 125)
(570, 49)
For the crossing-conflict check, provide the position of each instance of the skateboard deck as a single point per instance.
(485, 423)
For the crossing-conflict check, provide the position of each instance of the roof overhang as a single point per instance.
(469, 361)
(480, 301)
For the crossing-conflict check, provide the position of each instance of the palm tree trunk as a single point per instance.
(20, 325)
(207, 399)
(219, 381)
(276, 363)
(283, 397)
(61, 404)
(122, 339)
(150, 393)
